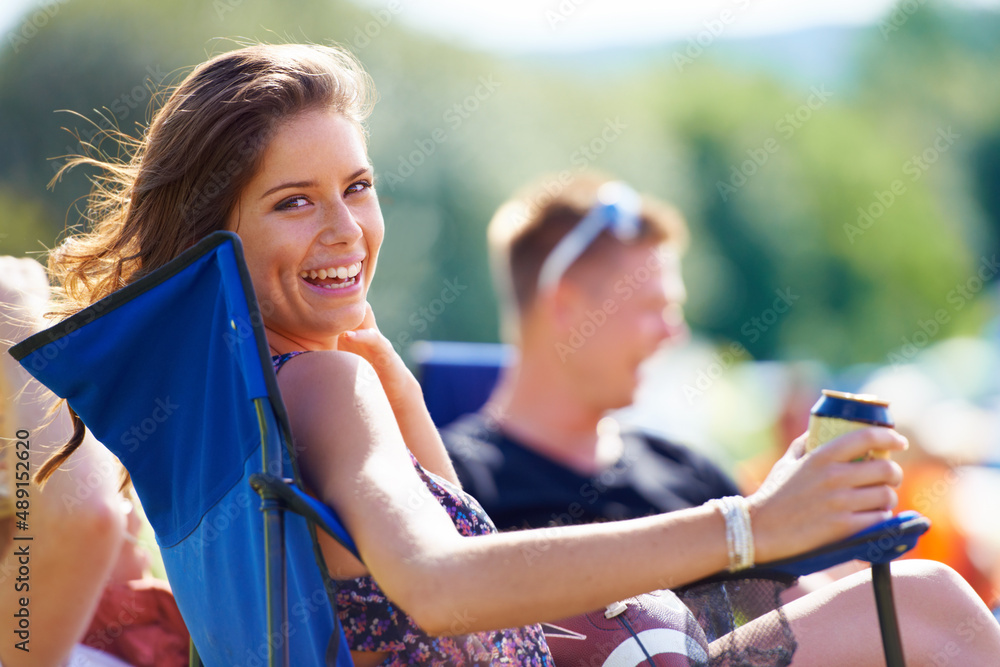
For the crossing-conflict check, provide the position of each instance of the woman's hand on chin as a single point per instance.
(367, 342)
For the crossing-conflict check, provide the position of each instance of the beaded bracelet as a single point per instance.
(739, 535)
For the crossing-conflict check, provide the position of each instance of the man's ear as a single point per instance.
(564, 304)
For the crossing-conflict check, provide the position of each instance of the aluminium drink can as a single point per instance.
(837, 413)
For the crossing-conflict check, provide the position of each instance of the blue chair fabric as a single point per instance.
(457, 378)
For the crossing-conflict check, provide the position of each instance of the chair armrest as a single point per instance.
(880, 543)
(296, 500)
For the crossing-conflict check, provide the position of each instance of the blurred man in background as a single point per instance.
(590, 286)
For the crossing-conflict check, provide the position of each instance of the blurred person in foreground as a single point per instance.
(137, 619)
(75, 523)
(82, 581)
(543, 451)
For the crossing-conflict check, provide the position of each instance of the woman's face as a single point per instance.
(311, 229)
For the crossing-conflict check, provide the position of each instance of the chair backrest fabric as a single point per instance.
(457, 378)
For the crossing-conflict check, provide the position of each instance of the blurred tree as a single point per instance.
(985, 168)
(781, 183)
(22, 224)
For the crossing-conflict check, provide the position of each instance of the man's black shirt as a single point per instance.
(519, 488)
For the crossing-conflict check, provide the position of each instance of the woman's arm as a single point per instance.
(353, 456)
(404, 393)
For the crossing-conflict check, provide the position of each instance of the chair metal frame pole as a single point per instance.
(273, 509)
(887, 621)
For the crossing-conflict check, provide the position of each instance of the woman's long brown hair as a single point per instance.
(179, 182)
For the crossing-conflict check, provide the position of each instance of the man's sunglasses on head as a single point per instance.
(617, 209)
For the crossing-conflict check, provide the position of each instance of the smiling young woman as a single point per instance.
(269, 141)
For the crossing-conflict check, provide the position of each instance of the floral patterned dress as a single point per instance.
(372, 623)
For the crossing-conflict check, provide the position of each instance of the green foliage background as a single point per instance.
(684, 128)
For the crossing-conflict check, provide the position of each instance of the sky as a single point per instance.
(566, 25)
(524, 26)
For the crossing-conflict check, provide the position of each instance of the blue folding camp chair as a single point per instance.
(457, 378)
(172, 373)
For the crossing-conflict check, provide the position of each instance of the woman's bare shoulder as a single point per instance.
(331, 386)
(328, 369)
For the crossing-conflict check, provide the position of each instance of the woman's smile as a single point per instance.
(334, 277)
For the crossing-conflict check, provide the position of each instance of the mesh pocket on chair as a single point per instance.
(743, 621)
